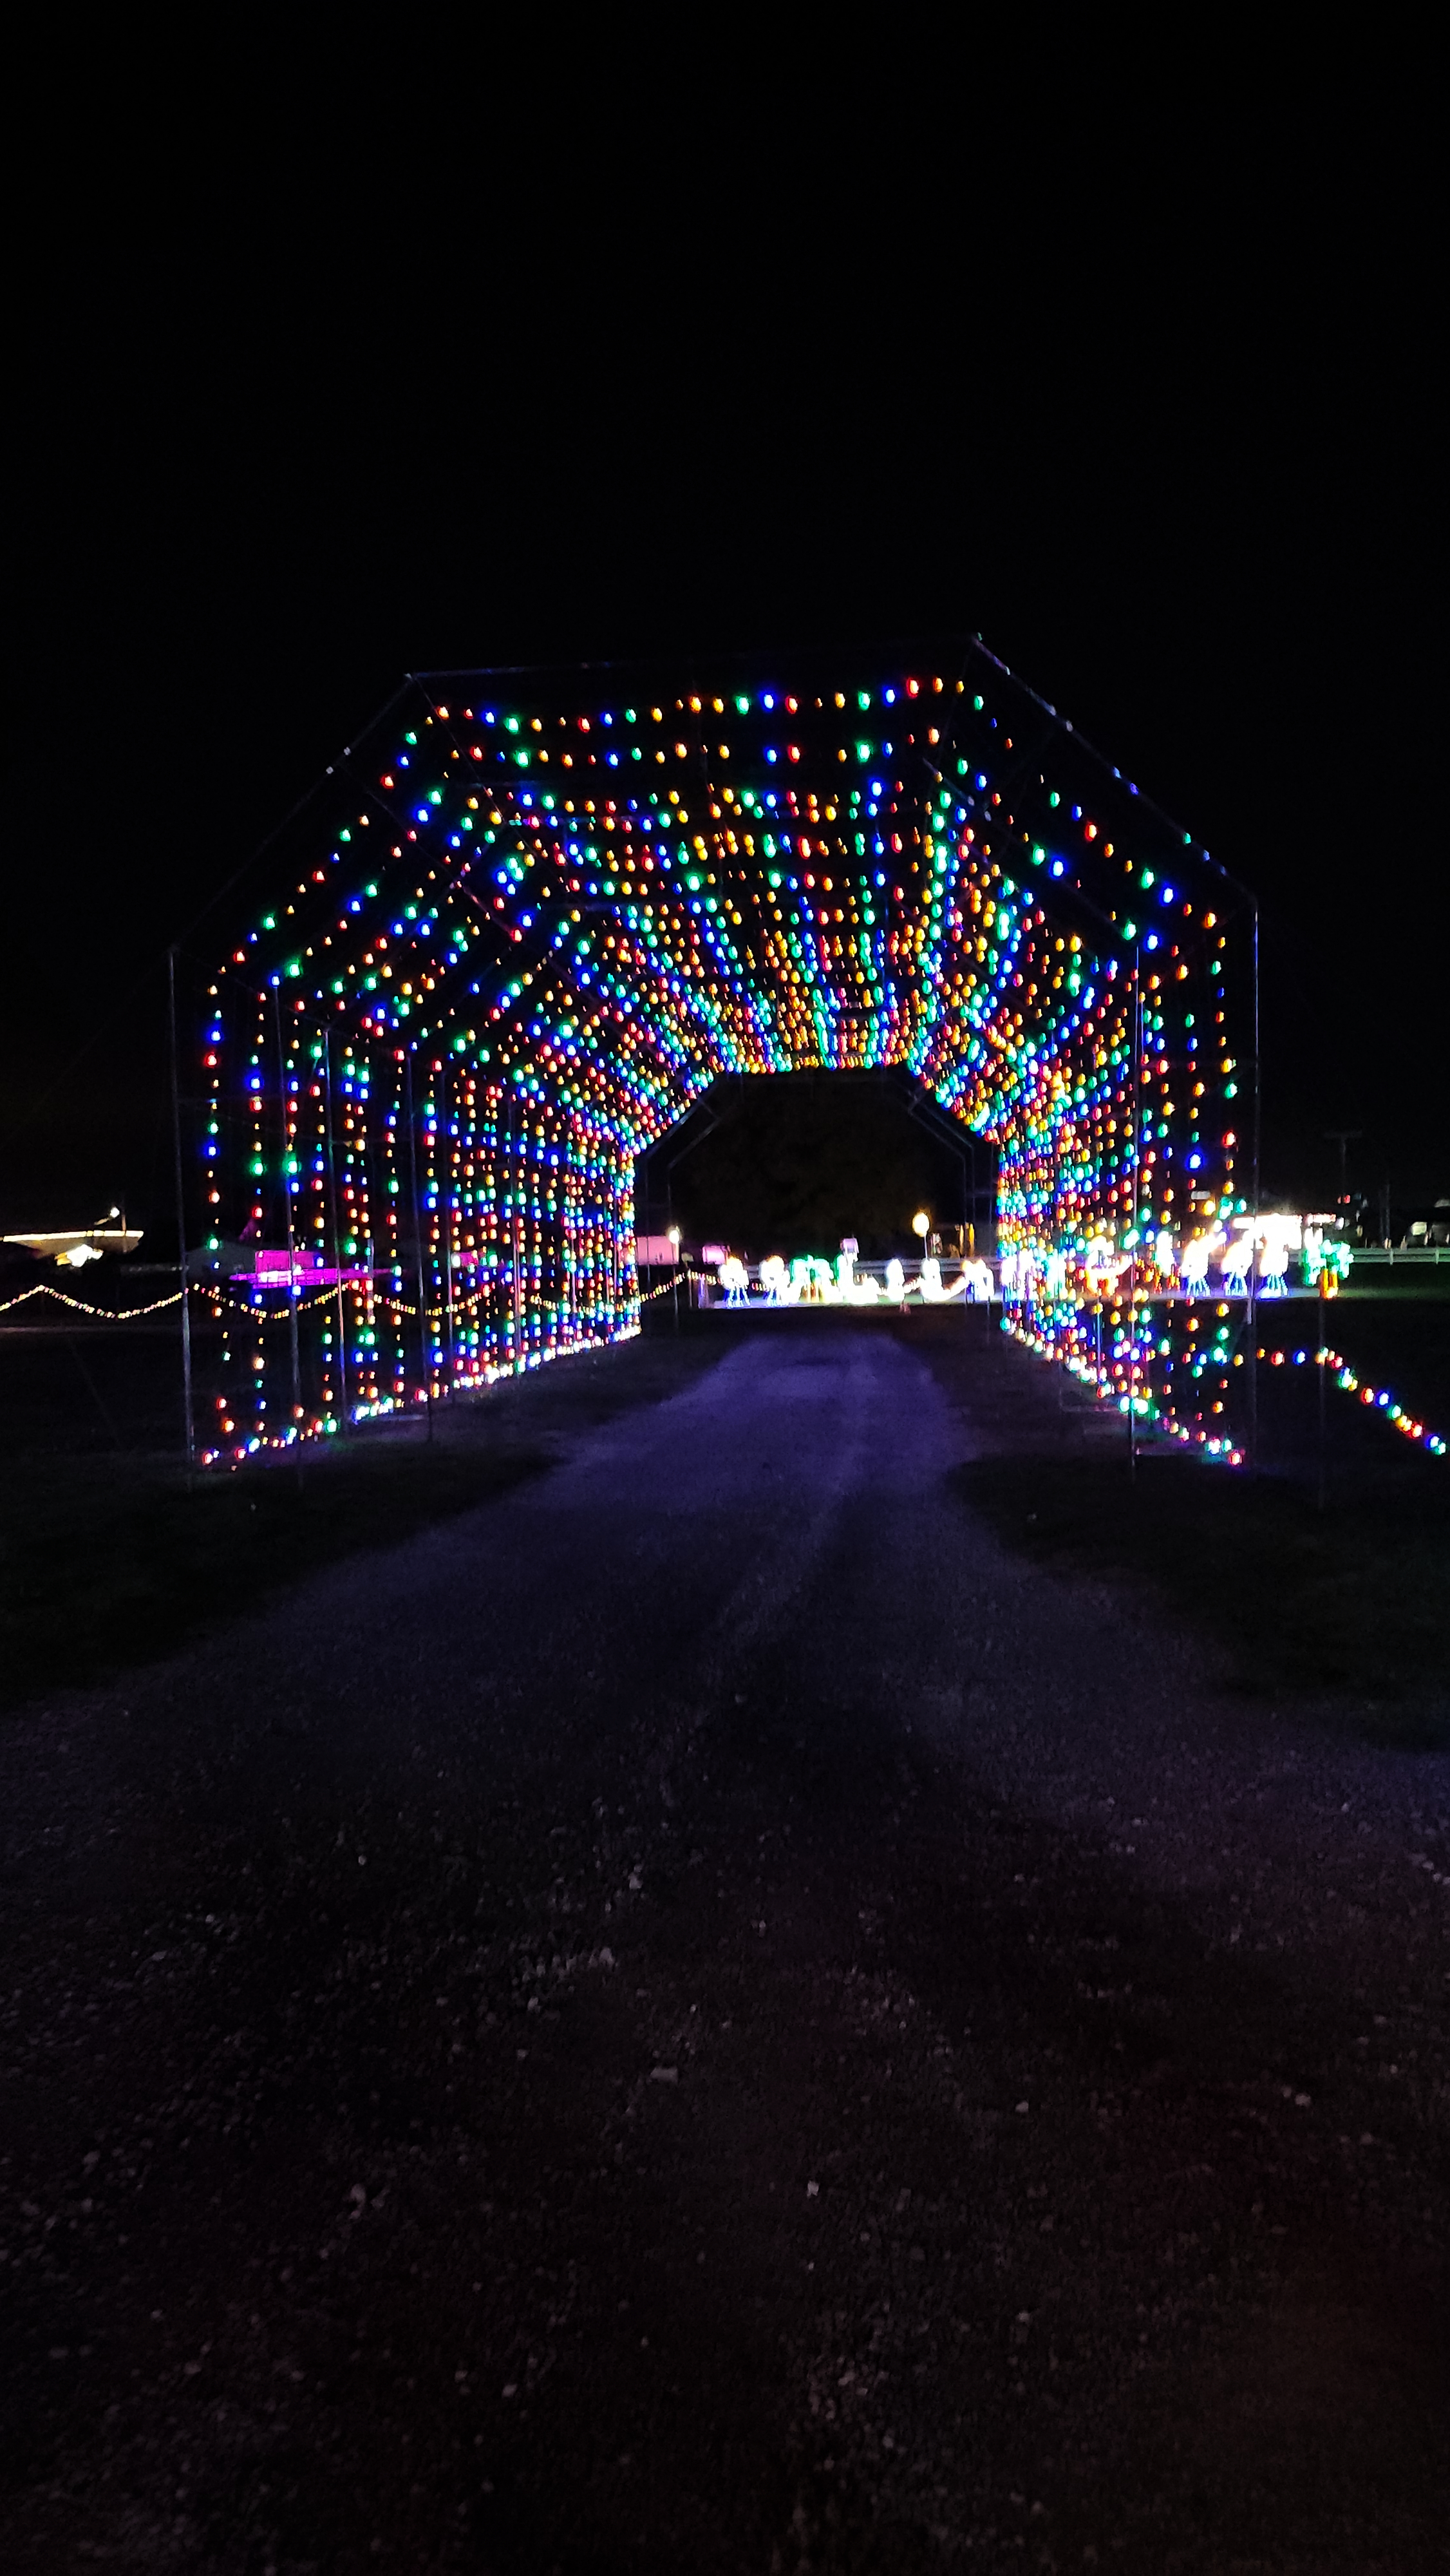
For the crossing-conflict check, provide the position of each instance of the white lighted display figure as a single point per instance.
(1193, 1268)
(932, 1291)
(734, 1278)
(1278, 1236)
(1237, 1262)
(850, 1290)
(978, 1277)
(1273, 1266)
(1163, 1261)
(1103, 1267)
(775, 1280)
(1008, 1275)
(895, 1283)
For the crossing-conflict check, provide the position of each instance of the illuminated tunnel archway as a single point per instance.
(530, 917)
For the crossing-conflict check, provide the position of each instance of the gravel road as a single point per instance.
(705, 2016)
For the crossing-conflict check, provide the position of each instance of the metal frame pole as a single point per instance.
(186, 1389)
(291, 1236)
(1253, 1320)
(418, 1239)
(336, 1235)
(1137, 1192)
(1322, 1358)
(516, 1284)
(447, 1225)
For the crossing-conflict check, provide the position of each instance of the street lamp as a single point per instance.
(673, 1237)
(921, 1228)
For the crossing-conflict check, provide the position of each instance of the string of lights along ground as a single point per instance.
(529, 918)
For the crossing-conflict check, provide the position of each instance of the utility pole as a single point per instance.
(1343, 1137)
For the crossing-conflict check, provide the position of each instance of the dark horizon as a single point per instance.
(272, 469)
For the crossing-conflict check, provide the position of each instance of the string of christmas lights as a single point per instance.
(532, 920)
(1379, 1398)
(81, 1306)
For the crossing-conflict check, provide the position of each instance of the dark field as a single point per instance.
(108, 1557)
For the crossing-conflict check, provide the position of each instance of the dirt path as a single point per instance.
(705, 2015)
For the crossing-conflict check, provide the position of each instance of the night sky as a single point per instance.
(751, 378)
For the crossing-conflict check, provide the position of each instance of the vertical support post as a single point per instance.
(418, 1240)
(1137, 1191)
(521, 1150)
(507, 1138)
(1322, 1360)
(1133, 1364)
(571, 1239)
(968, 1245)
(447, 1224)
(188, 1412)
(291, 1238)
(517, 1231)
(336, 1234)
(499, 1167)
(1253, 1317)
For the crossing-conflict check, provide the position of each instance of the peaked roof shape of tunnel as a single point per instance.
(604, 776)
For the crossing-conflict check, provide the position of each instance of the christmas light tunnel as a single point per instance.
(529, 918)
